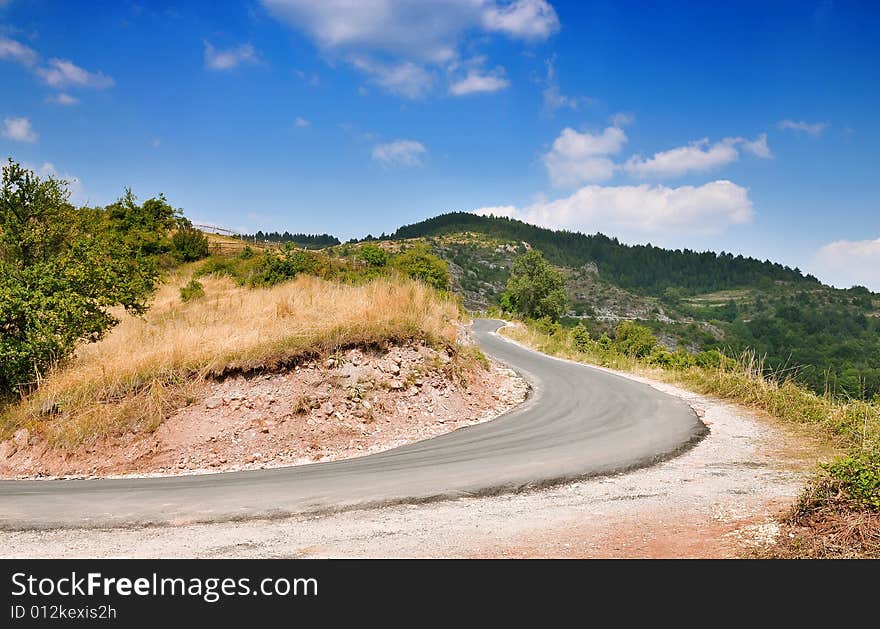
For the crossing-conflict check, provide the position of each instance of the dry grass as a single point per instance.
(846, 423)
(147, 366)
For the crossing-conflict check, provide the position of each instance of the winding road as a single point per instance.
(578, 422)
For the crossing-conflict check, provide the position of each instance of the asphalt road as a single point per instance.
(578, 422)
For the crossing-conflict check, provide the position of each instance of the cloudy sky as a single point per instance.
(744, 127)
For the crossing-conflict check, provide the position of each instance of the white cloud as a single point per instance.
(757, 147)
(62, 73)
(642, 211)
(301, 122)
(697, 157)
(476, 82)
(576, 158)
(19, 129)
(399, 42)
(15, 51)
(400, 153)
(622, 119)
(56, 72)
(229, 58)
(530, 19)
(405, 79)
(814, 128)
(156, 143)
(509, 211)
(63, 99)
(846, 263)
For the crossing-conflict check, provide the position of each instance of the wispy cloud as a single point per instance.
(62, 98)
(56, 72)
(301, 122)
(63, 73)
(229, 58)
(553, 98)
(401, 45)
(18, 52)
(811, 128)
(407, 153)
(19, 130)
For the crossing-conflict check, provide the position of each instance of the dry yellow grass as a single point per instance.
(147, 366)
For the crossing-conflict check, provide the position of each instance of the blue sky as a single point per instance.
(739, 126)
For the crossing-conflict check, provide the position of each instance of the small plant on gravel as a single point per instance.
(303, 404)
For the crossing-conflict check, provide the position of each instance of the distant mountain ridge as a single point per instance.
(645, 268)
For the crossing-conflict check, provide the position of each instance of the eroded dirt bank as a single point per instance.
(350, 404)
(716, 500)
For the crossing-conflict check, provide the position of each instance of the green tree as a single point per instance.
(535, 289)
(421, 264)
(61, 270)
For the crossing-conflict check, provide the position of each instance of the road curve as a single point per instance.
(578, 422)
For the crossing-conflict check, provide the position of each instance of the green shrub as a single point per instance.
(634, 340)
(580, 338)
(193, 290)
(246, 254)
(373, 255)
(189, 244)
(421, 264)
(217, 265)
(858, 476)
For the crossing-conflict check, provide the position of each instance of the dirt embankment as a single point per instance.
(346, 405)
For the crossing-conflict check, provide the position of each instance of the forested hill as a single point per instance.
(644, 268)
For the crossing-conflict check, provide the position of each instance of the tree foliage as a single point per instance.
(62, 269)
(535, 289)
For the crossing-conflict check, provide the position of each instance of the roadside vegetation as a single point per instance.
(838, 514)
(112, 317)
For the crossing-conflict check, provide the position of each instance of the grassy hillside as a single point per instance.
(148, 365)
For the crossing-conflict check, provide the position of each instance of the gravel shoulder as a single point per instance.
(718, 499)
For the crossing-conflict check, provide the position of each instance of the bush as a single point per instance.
(373, 255)
(634, 340)
(858, 476)
(419, 263)
(274, 269)
(246, 254)
(580, 338)
(546, 325)
(189, 244)
(217, 265)
(193, 290)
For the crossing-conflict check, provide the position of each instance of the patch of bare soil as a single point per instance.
(347, 405)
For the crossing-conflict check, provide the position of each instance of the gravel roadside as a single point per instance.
(716, 500)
